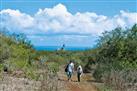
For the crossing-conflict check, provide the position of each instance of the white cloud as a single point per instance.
(16, 19)
(58, 20)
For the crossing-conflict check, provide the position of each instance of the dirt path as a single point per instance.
(73, 85)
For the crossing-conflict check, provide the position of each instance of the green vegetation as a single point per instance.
(116, 57)
(113, 61)
(16, 53)
(119, 46)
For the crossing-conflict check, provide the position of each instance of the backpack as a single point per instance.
(66, 69)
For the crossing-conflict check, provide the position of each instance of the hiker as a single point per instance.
(69, 70)
(79, 72)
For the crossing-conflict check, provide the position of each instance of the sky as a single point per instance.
(70, 22)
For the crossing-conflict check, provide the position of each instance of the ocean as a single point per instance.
(53, 48)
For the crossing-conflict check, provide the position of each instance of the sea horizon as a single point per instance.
(69, 48)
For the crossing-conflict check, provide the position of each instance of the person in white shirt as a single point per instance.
(70, 70)
(79, 72)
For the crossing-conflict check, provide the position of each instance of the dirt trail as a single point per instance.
(73, 85)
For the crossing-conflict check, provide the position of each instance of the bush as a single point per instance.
(99, 71)
(117, 58)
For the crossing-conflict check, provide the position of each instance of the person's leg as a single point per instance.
(68, 75)
(78, 76)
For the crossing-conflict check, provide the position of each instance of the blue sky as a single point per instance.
(105, 7)
(73, 22)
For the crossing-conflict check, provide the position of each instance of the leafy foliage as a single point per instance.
(119, 46)
(117, 53)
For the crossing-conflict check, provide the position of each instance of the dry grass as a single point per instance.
(48, 81)
(121, 80)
